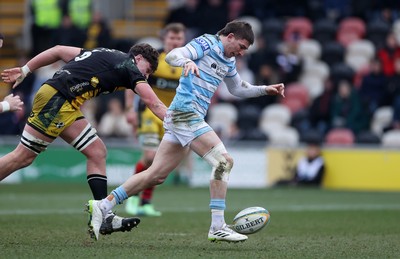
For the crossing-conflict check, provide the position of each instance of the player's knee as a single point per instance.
(229, 161)
(23, 158)
(223, 168)
(96, 151)
(27, 161)
(221, 162)
(154, 179)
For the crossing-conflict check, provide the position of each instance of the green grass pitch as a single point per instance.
(48, 221)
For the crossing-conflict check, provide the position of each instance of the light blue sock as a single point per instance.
(217, 207)
(119, 194)
(217, 204)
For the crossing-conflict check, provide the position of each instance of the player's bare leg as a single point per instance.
(211, 149)
(84, 138)
(155, 174)
(23, 155)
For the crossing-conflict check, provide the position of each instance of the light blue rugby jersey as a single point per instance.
(193, 93)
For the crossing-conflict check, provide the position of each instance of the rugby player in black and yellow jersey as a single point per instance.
(56, 108)
(150, 129)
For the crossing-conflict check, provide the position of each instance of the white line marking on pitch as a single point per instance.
(320, 207)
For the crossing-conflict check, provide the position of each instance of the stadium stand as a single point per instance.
(391, 139)
(340, 137)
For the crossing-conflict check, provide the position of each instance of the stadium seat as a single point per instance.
(293, 104)
(381, 119)
(300, 27)
(314, 84)
(346, 37)
(311, 136)
(340, 137)
(350, 29)
(357, 62)
(332, 53)
(297, 91)
(316, 68)
(342, 71)
(361, 47)
(391, 139)
(269, 127)
(377, 32)
(153, 41)
(367, 137)
(277, 113)
(286, 136)
(353, 24)
(324, 31)
(396, 28)
(222, 117)
(248, 117)
(272, 29)
(309, 49)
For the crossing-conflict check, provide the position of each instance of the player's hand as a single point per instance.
(13, 75)
(277, 89)
(192, 68)
(15, 102)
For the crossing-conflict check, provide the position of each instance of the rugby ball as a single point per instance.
(251, 220)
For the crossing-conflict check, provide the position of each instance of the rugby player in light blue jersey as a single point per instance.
(206, 61)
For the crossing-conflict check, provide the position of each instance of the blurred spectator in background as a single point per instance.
(319, 111)
(189, 15)
(373, 87)
(1, 40)
(346, 109)
(214, 16)
(47, 17)
(290, 65)
(310, 168)
(113, 123)
(393, 96)
(337, 9)
(77, 15)
(98, 33)
(385, 10)
(236, 8)
(388, 54)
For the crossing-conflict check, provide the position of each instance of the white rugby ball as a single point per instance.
(251, 220)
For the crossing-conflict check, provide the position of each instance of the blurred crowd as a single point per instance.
(339, 60)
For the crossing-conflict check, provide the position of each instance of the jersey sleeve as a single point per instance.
(135, 76)
(199, 47)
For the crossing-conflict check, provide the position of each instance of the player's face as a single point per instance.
(173, 40)
(235, 47)
(143, 65)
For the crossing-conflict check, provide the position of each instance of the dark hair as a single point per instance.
(241, 30)
(148, 52)
(175, 27)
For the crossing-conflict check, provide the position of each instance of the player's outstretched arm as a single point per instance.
(240, 88)
(11, 103)
(151, 100)
(130, 112)
(16, 75)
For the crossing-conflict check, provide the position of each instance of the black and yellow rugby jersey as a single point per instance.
(95, 72)
(165, 80)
